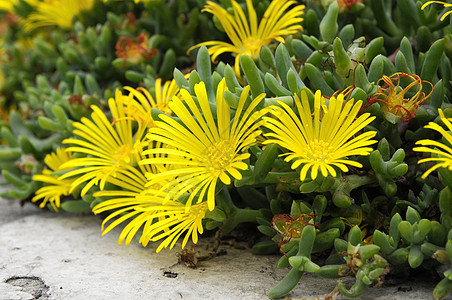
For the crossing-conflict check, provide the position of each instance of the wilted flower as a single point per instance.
(134, 50)
(344, 5)
(289, 227)
(399, 103)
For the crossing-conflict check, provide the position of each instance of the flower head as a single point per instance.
(134, 50)
(248, 37)
(138, 1)
(396, 104)
(204, 150)
(289, 227)
(110, 147)
(443, 152)
(7, 5)
(322, 141)
(176, 221)
(439, 2)
(141, 109)
(158, 221)
(125, 203)
(55, 188)
(141, 208)
(55, 12)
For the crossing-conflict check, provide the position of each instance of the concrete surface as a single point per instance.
(44, 255)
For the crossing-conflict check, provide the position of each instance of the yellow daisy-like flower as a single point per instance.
(204, 150)
(7, 5)
(141, 109)
(124, 202)
(111, 148)
(138, 1)
(439, 2)
(55, 13)
(322, 141)
(177, 221)
(248, 37)
(147, 211)
(443, 152)
(159, 221)
(55, 188)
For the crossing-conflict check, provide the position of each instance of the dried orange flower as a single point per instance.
(344, 5)
(399, 103)
(134, 50)
(289, 227)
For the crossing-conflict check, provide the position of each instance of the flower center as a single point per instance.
(252, 47)
(320, 151)
(164, 107)
(218, 156)
(122, 155)
(395, 101)
(198, 211)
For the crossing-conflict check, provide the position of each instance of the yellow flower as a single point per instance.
(392, 96)
(141, 109)
(55, 187)
(55, 13)
(177, 220)
(138, 1)
(147, 211)
(439, 2)
(442, 151)
(322, 142)
(166, 221)
(111, 148)
(125, 203)
(7, 5)
(204, 150)
(248, 38)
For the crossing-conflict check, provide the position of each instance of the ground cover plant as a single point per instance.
(326, 124)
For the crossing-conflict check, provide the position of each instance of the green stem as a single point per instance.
(240, 215)
(355, 181)
(275, 177)
(356, 290)
(246, 215)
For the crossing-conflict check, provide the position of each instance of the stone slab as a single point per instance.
(44, 255)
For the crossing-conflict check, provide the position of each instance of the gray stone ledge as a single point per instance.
(73, 260)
